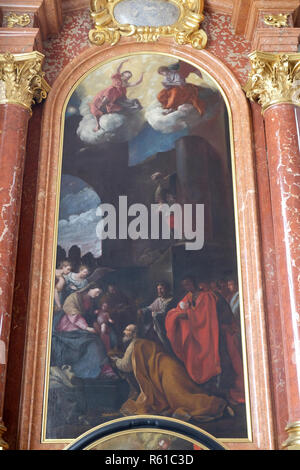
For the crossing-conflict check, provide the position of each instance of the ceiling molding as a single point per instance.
(246, 14)
(47, 13)
(20, 40)
(224, 7)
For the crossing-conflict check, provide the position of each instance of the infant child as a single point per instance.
(104, 325)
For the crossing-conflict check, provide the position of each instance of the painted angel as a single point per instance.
(113, 99)
(177, 91)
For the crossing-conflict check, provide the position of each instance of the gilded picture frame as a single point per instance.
(146, 433)
(59, 371)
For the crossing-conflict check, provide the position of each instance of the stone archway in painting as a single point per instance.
(77, 238)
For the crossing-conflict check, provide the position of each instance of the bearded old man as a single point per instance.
(177, 91)
(203, 335)
(164, 385)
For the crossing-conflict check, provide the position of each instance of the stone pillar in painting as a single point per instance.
(21, 83)
(275, 83)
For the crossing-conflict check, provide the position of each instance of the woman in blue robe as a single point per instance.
(82, 349)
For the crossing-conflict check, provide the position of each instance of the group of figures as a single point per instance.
(176, 91)
(180, 355)
(112, 110)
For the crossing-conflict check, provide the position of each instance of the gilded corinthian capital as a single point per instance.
(293, 441)
(22, 79)
(274, 78)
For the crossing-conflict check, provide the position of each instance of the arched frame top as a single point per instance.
(126, 426)
(246, 224)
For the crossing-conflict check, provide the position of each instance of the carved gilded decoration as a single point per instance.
(293, 441)
(17, 20)
(278, 21)
(185, 29)
(274, 78)
(3, 443)
(22, 79)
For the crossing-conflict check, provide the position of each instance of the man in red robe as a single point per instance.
(113, 98)
(106, 100)
(202, 337)
(177, 91)
(193, 331)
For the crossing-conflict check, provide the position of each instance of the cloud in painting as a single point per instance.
(186, 116)
(80, 230)
(78, 202)
(114, 127)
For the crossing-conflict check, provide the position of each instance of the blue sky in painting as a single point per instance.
(150, 141)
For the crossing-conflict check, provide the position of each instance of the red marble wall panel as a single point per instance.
(73, 39)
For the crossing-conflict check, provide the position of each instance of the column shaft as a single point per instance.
(13, 133)
(284, 174)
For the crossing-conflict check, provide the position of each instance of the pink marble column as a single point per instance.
(284, 178)
(275, 334)
(13, 132)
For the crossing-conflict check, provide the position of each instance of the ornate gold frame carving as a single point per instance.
(22, 79)
(185, 31)
(276, 20)
(3, 443)
(18, 20)
(293, 441)
(274, 78)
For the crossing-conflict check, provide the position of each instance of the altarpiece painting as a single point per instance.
(143, 324)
